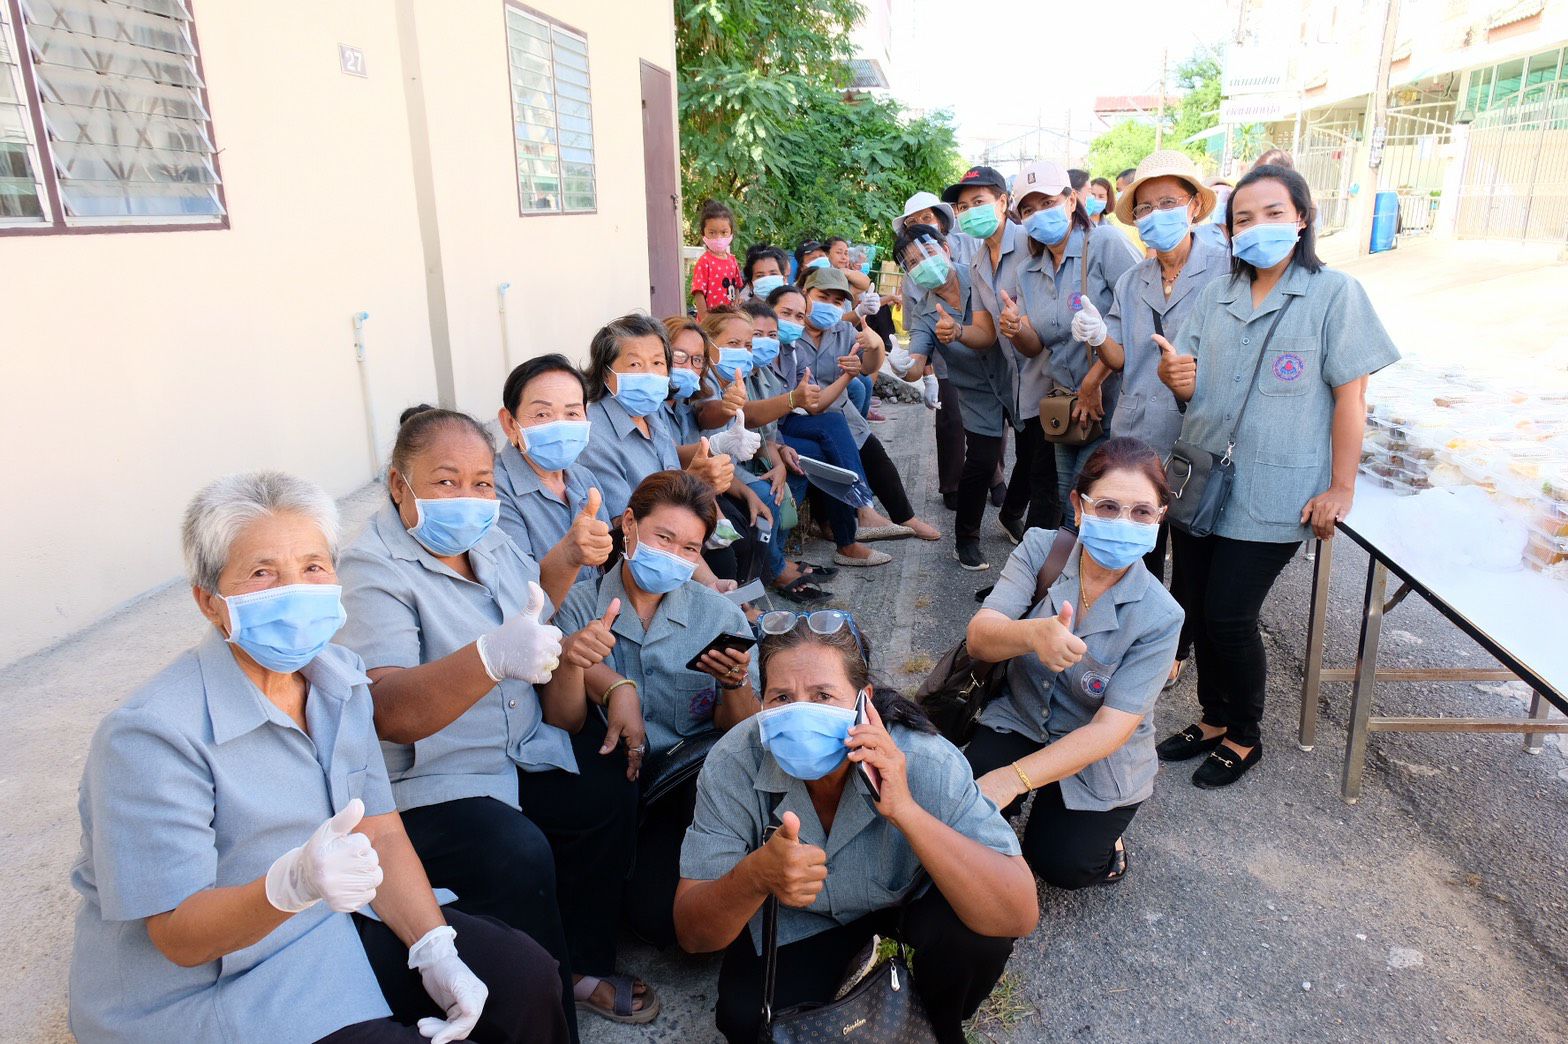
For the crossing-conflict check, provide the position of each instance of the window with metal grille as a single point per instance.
(552, 114)
(115, 87)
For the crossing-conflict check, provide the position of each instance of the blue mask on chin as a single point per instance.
(684, 382)
(449, 526)
(641, 393)
(806, 739)
(659, 572)
(284, 628)
(1116, 543)
(556, 445)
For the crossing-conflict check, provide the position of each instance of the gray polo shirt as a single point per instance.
(1131, 632)
(620, 455)
(1045, 295)
(764, 382)
(822, 360)
(984, 377)
(870, 864)
(198, 781)
(1330, 337)
(1147, 409)
(676, 702)
(533, 516)
(406, 608)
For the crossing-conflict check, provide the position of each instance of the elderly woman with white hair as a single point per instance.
(238, 828)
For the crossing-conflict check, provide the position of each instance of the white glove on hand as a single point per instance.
(870, 303)
(449, 983)
(1088, 326)
(522, 648)
(736, 440)
(929, 388)
(900, 360)
(335, 864)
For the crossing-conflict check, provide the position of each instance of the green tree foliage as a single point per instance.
(766, 125)
(1123, 146)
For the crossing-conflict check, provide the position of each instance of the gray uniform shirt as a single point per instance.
(198, 781)
(533, 516)
(405, 608)
(870, 864)
(822, 360)
(1330, 337)
(1147, 409)
(1045, 295)
(983, 377)
(621, 456)
(1131, 632)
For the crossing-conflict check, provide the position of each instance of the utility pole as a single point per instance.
(1376, 130)
(1159, 124)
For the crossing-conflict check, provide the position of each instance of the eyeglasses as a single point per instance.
(686, 359)
(1143, 210)
(820, 621)
(1106, 510)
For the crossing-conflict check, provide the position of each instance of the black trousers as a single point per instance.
(590, 820)
(523, 1006)
(740, 561)
(500, 865)
(1065, 847)
(981, 454)
(1031, 492)
(949, 439)
(954, 970)
(1154, 562)
(882, 477)
(1222, 584)
(650, 895)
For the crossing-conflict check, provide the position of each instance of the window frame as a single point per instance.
(511, 110)
(61, 225)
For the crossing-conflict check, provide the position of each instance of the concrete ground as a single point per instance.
(1435, 909)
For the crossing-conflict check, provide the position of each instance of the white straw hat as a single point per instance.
(1167, 163)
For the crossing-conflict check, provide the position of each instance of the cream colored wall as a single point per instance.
(137, 367)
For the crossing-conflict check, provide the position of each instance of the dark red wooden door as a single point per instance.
(663, 180)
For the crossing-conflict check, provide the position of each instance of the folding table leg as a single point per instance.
(1317, 613)
(1539, 710)
(1366, 679)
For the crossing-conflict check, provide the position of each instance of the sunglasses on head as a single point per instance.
(820, 621)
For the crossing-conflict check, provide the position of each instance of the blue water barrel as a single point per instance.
(1385, 221)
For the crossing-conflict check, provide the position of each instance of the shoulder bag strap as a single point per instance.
(770, 925)
(1230, 443)
(1083, 286)
(1055, 562)
(1159, 322)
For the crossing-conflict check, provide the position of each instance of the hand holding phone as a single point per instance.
(723, 642)
(868, 775)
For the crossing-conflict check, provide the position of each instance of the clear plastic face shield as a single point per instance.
(925, 261)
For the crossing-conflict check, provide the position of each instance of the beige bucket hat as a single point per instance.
(1167, 163)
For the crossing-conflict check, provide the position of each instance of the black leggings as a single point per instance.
(1222, 584)
(1154, 562)
(523, 1005)
(955, 968)
(981, 454)
(882, 477)
(1065, 847)
(1031, 492)
(650, 895)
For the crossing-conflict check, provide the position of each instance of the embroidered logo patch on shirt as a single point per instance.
(1289, 366)
(1094, 683)
(702, 703)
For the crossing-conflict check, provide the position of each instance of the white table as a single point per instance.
(1519, 617)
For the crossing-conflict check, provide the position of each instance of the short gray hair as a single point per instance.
(222, 509)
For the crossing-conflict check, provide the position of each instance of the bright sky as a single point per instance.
(1000, 66)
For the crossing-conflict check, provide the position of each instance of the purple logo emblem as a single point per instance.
(702, 703)
(1289, 366)
(1094, 683)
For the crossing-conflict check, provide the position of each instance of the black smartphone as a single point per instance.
(725, 641)
(867, 774)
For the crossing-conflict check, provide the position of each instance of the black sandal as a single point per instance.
(1118, 868)
(821, 572)
(801, 591)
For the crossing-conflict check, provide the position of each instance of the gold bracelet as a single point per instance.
(791, 399)
(1022, 778)
(604, 701)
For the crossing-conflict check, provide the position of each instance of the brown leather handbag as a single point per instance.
(1056, 407)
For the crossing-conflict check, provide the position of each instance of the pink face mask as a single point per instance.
(717, 244)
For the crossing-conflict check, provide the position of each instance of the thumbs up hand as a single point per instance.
(1055, 644)
(523, 648)
(806, 393)
(336, 865)
(734, 399)
(946, 328)
(716, 469)
(1088, 324)
(1010, 322)
(588, 542)
(736, 441)
(593, 643)
(789, 869)
(1179, 373)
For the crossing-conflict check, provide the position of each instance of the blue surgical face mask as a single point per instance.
(641, 393)
(790, 331)
(449, 526)
(659, 572)
(932, 272)
(1094, 206)
(684, 382)
(1163, 229)
(818, 262)
(764, 350)
(806, 739)
(762, 286)
(1048, 226)
(1116, 543)
(733, 363)
(1264, 246)
(825, 314)
(555, 445)
(284, 628)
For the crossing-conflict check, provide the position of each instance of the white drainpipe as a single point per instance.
(364, 388)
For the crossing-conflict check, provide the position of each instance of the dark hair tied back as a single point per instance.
(418, 425)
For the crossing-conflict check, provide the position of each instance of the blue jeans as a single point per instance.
(826, 437)
(773, 550)
(1069, 459)
(860, 394)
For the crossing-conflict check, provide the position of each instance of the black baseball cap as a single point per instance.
(975, 177)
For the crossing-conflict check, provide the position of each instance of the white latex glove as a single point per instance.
(870, 303)
(522, 648)
(336, 864)
(1088, 326)
(736, 440)
(449, 983)
(900, 360)
(929, 389)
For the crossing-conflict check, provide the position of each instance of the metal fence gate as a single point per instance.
(1515, 181)
(1414, 146)
(1326, 159)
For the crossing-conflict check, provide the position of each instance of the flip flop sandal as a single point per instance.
(625, 997)
(801, 591)
(1118, 868)
(822, 572)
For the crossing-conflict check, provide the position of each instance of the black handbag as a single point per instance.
(1200, 480)
(677, 766)
(960, 685)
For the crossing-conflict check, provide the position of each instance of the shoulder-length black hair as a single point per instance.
(1305, 252)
